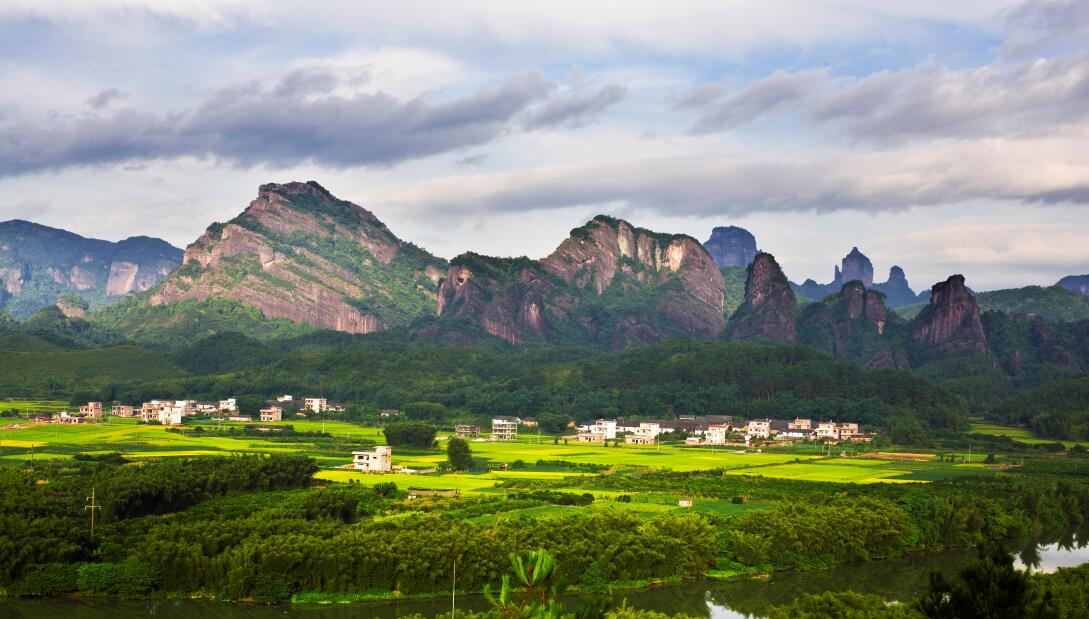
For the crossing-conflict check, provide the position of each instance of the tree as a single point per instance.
(540, 587)
(410, 434)
(458, 454)
(424, 411)
(552, 423)
(989, 587)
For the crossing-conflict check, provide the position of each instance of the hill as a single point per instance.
(52, 373)
(39, 264)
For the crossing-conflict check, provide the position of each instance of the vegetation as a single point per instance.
(458, 454)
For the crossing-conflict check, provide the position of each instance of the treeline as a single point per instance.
(42, 515)
(679, 378)
(1058, 410)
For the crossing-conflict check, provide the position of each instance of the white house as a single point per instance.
(504, 429)
(230, 405)
(606, 427)
(272, 413)
(827, 430)
(378, 461)
(171, 415)
(758, 428)
(318, 405)
(716, 434)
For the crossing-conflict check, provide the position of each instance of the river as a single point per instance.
(896, 579)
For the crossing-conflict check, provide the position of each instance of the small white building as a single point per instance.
(378, 461)
(607, 427)
(827, 430)
(504, 429)
(716, 434)
(317, 405)
(170, 416)
(285, 398)
(758, 428)
(590, 437)
(230, 405)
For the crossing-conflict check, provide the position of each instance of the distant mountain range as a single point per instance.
(298, 259)
(39, 265)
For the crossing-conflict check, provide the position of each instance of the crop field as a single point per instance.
(33, 406)
(1021, 435)
(865, 471)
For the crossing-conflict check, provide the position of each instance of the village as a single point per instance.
(173, 412)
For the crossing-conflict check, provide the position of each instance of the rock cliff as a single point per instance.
(609, 283)
(731, 246)
(951, 322)
(767, 313)
(897, 291)
(39, 264)
(297, 252)
(855, 266)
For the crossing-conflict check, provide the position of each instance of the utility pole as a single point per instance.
(92, 506)
(454, 589)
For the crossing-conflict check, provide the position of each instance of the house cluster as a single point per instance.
(171, 412)
(719, 430)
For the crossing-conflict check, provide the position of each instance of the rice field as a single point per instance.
(1021, 435)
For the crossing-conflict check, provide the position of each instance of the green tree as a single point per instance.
(540, 585)
(989, 587)
(458, 454)
(410, 434)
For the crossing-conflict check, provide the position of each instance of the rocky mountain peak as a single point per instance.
(1077, 283)
(298, 252)
(856, 266)
(731, 246)
(767, 312)
(951, 323)
(897, 291)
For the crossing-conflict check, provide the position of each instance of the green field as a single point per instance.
(1021, 435)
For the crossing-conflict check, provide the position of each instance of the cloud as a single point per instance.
(1042, 171)
(1041, 27)
(575, 110)
(920, 102)
(105, 98)
(471, 160)
(301, 118)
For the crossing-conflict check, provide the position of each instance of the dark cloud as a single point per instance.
(919, 102)
(105, 98)
(575, 110)
(1040, 27)
(471, 160)
(301, 118)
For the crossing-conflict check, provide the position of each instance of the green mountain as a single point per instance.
(297, 259)
(39, 264)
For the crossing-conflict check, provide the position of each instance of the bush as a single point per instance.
(48, 579)
(272, 588)
(410, 434)
(129, 579)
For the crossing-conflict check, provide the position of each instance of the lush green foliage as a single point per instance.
(458, 454)
(410, 434)
(1057, 410)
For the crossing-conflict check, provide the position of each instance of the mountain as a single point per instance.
(896, 289)
(856, 266)
(1076, 283)
(608, 284)
(731, 246)
(767, 312)
(854, 324)
(951, 322)
(299, 253)
(39, 264)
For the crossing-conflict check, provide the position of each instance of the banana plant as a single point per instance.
(540, 585)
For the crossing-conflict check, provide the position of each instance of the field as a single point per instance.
(529, 459)
(1021, 435)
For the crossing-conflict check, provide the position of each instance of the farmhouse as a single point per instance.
(92, 410)
(317, 405)
(827, 430)
(464, 430)
(505, 429)
(378, 461)
(120, 410)
(758, 428)
(590, 437)
(272, 413)
(639, 439)
(716, 434)
(66, 418)
(230, 405)
(170, 416)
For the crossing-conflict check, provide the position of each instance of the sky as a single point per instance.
(944, 137)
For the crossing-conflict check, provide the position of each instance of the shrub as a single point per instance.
(48, 579)
(129, 579)
(410, 434)
(272, 588)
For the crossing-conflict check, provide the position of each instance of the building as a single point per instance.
(760, 428)
(605, 427)
(285, 398)
(272, 413)
(66, 418)
(170, 416)
(797, 434)
(716, 434)
(230, 405)
(317, 405)
(120, 410)
(242, 418)
(378, 461)
(801, 424)
(464, 430)
(529, 422)
(639, 439)
(92, 410)
(590, 437)
(827, 430)
(847, 430)
(504, 429)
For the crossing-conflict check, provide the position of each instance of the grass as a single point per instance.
(866, 471)
(1021, 435)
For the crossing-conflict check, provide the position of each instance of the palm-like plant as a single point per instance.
(540, 584)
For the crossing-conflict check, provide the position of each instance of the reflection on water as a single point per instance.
(897, 579)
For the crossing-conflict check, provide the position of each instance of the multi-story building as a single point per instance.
(504, 429)
(230, 405)
(317, 405)
(272, 413)
(827, 430)
(760, 428)
(121, 410)
(464, 430)
(378, 461)
(92, 410)
(716, 434)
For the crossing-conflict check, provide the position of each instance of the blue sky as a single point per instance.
(941, 136)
